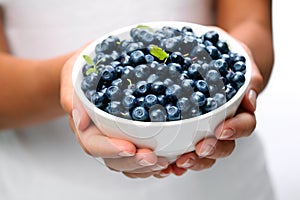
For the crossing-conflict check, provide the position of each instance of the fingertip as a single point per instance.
(249, 101)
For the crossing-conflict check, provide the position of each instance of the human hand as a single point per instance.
(223, 143)
(118, 155)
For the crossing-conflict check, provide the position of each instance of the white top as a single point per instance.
(45, 161)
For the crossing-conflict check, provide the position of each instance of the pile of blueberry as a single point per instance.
(162, 75)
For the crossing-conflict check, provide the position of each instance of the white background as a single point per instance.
(279, 105)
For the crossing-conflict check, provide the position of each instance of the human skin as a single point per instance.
(253, 29)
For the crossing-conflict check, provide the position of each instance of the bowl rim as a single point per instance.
(79, 62)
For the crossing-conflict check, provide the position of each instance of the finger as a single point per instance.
(143, 158)
(164, 173)
(255, 86)
(81, 119)
(162, 163)
(98, 145)
(241, 125)
(138, 175)
(213, 148)
(192, 161)
(178, 171)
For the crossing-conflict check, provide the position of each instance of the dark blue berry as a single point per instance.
(211, 104)
(158, 88)
(141, 88)
(150, 100)
(198, 98)
(173, 113)
(140, 114)
(137, 57)
(113, 93)
(201, 86)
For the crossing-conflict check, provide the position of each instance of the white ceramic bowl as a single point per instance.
(168, 139)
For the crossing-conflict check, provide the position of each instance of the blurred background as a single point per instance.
(279, 105)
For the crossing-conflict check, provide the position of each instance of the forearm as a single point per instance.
(251, 23)
(30, 91)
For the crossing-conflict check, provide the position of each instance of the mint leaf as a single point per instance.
(158, 52)
(145, 27)
(88, 60)
(91, 70)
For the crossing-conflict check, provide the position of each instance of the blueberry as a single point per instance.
(176, 57)
(85, 68)
(214, 53)
(194, 112)
(140, 101)
(142, 88)
(149, 58)
(238, 80)
(198, 98)
(142, 71)
(117, 82)
(114, 108)
(188, 43)
(173, 113)
(171, 44)
(194, 71)
(220, 99)
(108, 45)
(150, 100)
(140, 114)
(90, 82)
(113, 93)
(170, 32)
(211, 36)
(152, 78)
(187, 29)
(183, 104)
(129, 101)
(213, 77)
(222, 47)
(201, 86)
(200, 53)
(173, 92)
(222, 66)
(158, 88)
(168, 82)
(174, 69)
(161, 100)
(128, 72)
(187, 86)
(211, 104)
(158, 114)
(137, 57)
(239, 66)
(230, 91)
(99, 99)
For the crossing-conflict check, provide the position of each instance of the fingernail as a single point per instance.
(188, 163)
(227, 133)
(125, 154)
(76, 117)
(145, 163)
(252, 98)
(206, 150)
(159, 167)
(163, 174)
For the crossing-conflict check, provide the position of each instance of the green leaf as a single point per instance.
(91, 70)
(158, 52)
(145, 27)
(88, 60)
